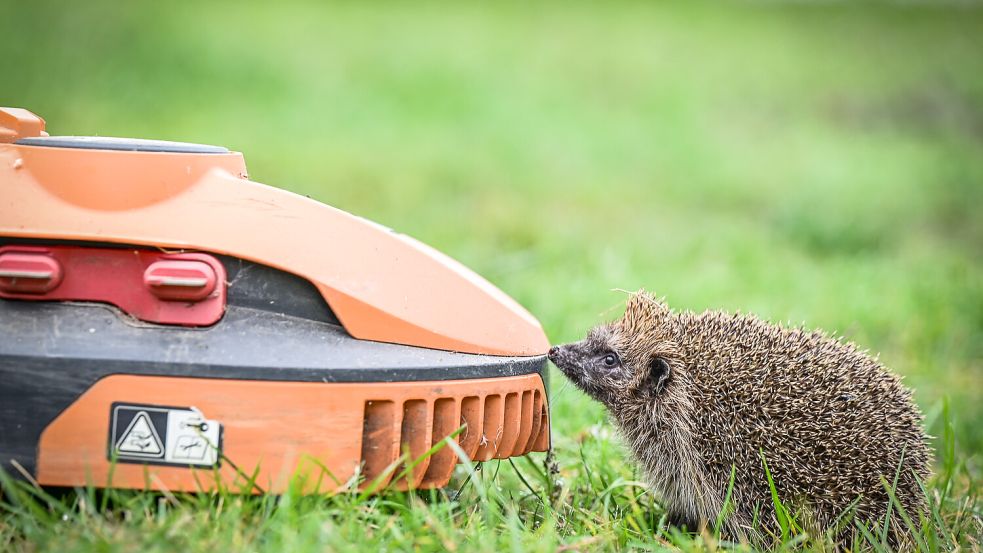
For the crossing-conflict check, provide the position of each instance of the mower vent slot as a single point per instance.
(525, 425)
(397, 435)
(542, 442)
(414, 442)
(471, 412)
(510, 426)
(537, 420)
(491, 430)
(446, 417)
(380, 443)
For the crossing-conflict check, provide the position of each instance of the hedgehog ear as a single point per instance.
(654, 376)
(659, 372)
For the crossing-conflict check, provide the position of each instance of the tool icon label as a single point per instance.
(162, 435)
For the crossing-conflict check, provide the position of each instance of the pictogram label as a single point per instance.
(157, 434)
(140, 438)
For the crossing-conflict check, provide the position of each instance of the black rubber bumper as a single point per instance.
(92, 340)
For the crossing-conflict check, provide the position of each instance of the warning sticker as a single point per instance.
(157, 434)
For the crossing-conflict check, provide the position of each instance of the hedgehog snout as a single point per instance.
(560, 356)
(555, 354)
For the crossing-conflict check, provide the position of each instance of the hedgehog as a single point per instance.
(711, 404)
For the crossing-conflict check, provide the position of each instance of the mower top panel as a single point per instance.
(381, 285)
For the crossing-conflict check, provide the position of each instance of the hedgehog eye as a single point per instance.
(610, 360)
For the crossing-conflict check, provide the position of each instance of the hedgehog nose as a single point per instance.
(553, 351)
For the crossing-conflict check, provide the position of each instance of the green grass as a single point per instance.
(806, 162)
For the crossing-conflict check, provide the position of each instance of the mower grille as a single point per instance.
(320, 436)
(397, 435)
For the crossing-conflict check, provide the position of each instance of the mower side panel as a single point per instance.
(329, 435)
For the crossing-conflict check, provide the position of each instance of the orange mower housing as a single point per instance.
(168, 324)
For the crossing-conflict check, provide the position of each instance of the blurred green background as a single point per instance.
(808, 162)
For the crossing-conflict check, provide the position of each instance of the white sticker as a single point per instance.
(163, 435)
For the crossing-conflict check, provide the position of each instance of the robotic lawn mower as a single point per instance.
(166, 323)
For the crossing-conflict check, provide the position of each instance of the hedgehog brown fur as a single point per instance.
(695, 395)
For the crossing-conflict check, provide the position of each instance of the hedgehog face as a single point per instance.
(628, 361)
(593, 364)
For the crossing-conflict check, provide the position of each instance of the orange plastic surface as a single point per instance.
(17, 123)
(382, 285)
(332, 435)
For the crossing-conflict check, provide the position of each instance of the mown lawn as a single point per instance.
(808, 162)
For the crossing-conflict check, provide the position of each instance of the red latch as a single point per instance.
(176, 280)
(180, 289)
(28, 273)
